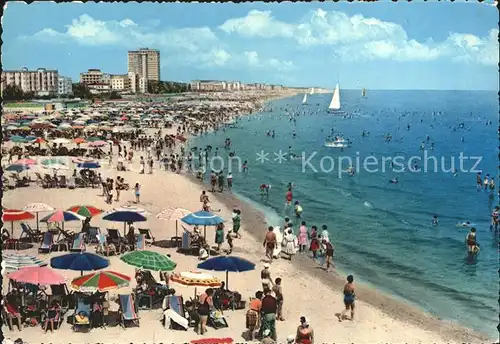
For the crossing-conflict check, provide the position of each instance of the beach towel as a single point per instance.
(171, 315)
(48, 241)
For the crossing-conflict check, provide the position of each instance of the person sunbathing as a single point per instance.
(81, 318)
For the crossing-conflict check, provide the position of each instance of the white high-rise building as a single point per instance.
(65, 86)
(41, 81)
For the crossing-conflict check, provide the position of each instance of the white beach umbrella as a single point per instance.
(133, 208)
(36, 208)
(61, 140)
(65, 126)
(56, 167)
(13, 262)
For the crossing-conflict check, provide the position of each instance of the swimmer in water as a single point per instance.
(455, 173)
(264, 190)
(298, 209)
(435, 220)
(466, 224)
(394, 180)
(244, 167)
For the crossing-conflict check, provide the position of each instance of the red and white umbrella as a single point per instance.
(14, 215)
(173, 214)
(27, 162)
(37, 208)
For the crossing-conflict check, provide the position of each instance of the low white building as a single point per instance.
(99, 87)
(65, 85)
(120, 82)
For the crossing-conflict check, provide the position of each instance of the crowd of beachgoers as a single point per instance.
(97, 204)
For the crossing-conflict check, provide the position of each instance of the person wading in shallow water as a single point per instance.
(270, 243)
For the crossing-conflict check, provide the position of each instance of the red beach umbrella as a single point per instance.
(37, 275)
(14, 215)
(181, 138)
(39, 140)
(79, 140)
(25, 162)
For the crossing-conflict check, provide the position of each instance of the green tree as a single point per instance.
(114, 95)
(81, 91)
(13, 92)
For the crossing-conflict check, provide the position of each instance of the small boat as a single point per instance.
(304, 100)
(338, 142)
(363, 93)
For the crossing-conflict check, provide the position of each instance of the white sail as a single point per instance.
(304, 100)
(312, 90)
(335, 103)
(363, 92)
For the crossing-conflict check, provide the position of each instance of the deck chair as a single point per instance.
(187, 245)
(128, 310)
(63, 183)
(92, 238)
(47, 242)
(61, 293)
(78, 243)
(102, 247)
(116, 238)
(150, 239)
(29, 234)
(217, 320)
(39, 180)
(82, 305)
(175, 304)
(141, 242)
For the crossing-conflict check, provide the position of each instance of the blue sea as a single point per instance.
(382, 231)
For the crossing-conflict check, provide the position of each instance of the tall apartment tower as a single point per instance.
(145, 63)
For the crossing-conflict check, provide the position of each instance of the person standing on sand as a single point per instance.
(270, 243)
(303, 235)
(315, 245)
(236, 222)
(137, 190)
(219, 236)
(143, 165)
(265, 277)
(328, 254)
(269, 309)
(305, 333)
(278, 292)
(213, 180)
(253, 315)
(349, 298)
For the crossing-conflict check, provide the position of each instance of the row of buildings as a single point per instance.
(218, 85)
(41, 82)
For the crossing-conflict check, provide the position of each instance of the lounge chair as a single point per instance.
(150, 239)
(128, 311)
(141, 242)
(116, 239)
(103, 248)
(187, 244)
(82, 305)
(216, 320)
(39, 179)
(175, 304)
(94, 232)
(63, 182)
(29, 234)
(61, 293)
(47, 242)
(56, 315)
(78, 243)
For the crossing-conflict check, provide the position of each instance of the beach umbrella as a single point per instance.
(37, 208)
(124, 216)
(227, 264)
(56, 167)
(88, 165)
(53, 161)
(132, 208)
(11, 127)
(93, 139)
(97, 144)
(37, 275)
(85, 210)
(62, 216)
(225, 340)
(39, 140)
(181, 138)
(77, 261)
(14, 261)
(17, 168)
(79, 140)
(101, 281)
(195, 279)
(24, 128)
(149, 260)
(173, 214)
(18, 139)
(64, 126)
(202, 218)
(14, 215)
(61, 140)
(27, 162)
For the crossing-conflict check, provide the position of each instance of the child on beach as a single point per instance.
(137, 190)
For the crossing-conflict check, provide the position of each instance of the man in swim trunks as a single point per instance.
(328, 254)
(479, 181)
(270, 243)
(349, 298)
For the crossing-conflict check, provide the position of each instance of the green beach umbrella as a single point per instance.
(18, 139)
(149, 260)
(93, 138)
(53, 161)
(101, 281)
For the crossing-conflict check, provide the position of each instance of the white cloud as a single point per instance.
(253, 59)
(362, 38)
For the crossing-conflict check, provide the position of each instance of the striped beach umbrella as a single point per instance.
(196, 279)
(25, 162)
(173, 214)
(149, 260)
(85, 210)
(62, 216)
(101, 281)
(12, 262)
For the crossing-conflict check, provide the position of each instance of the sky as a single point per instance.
(388, 45)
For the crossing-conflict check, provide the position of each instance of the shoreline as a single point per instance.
(254, 223)
(381, 300)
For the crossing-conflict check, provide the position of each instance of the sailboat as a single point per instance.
(312, 91)
(304, 100)
(335, 103)
(363, 92)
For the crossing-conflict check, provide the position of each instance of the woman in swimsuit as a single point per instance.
(349, 298)
(305, 333)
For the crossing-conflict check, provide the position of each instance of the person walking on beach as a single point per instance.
(150, 164)
(236, 222)
(219, 236)
(143, 165)
(269, 309)
(265, 277)
(278, 292)
(328, 254)
(137, 190)
(289, 242)
(315, 245)
(213, 180)
(270, 243)
(349, 298)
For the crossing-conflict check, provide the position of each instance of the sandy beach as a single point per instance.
(308, 290)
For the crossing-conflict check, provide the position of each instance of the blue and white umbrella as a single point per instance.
(202, 218)
(13, 262)
(88, 164)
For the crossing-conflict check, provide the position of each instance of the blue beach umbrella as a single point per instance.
(88, 164)
(84, 261)
(124, 216)
(202, 218)
(18, 139)
(227, 264)
(18, 168)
